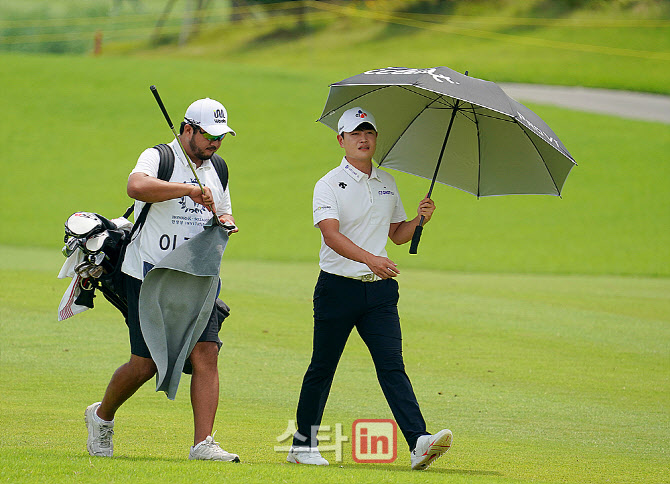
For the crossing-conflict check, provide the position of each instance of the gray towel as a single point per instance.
(176, 300)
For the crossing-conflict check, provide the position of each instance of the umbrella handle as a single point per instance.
(416, 237)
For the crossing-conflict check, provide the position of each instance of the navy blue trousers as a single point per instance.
(340, 304)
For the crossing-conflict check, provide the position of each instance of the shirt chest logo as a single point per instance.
(342, 185)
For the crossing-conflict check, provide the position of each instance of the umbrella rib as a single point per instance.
(474, 109)
(466, 114)
(504, 118)
(438, 99)
(351, 101)
(407, 127)
(558, 192)
(479, 152)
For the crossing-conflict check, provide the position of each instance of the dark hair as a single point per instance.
(195, 127)
(365, 126)
(362, 127)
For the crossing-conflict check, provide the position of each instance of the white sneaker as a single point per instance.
(429, 448)
(306, 455)
(100, 433)
(208, 449)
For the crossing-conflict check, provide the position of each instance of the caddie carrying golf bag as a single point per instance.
(95, 246)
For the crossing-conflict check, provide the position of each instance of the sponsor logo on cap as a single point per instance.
(219, 116)
(361, 114)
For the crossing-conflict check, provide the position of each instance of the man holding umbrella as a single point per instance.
(357, 207)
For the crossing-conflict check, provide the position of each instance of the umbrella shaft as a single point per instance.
(444, 145)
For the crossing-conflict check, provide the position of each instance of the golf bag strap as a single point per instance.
(165, 169)
(221, 169)
(166, 165)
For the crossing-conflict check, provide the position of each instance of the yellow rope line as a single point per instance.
(544, 22)
(208, 17)
(108, 33)
(291, 5)
(151, 17)
(532, 41)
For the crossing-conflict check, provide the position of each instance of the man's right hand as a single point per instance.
(205, 198)
(382, 266)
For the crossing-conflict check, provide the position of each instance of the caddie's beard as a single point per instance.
(199, 152)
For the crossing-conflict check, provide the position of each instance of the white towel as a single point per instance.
(67, 308)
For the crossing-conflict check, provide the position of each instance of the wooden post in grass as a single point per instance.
(97, 43)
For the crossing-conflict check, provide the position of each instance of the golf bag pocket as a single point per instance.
(222, 310)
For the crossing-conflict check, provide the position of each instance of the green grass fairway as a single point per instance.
(541, 379)
(536, 328)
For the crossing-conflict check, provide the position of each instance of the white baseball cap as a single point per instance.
(210, 115)
(353, 118)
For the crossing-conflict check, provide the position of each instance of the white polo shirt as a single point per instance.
(172, 222)
(365, 208)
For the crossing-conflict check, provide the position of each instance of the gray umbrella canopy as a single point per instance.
(454, 129)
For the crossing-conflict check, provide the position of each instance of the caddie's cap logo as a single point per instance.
(219, 116)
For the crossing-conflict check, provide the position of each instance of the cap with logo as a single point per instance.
(210, 115)
(353, 118)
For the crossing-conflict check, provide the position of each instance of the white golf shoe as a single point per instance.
(306, 455)
(208, 449)
(429, 448)
(100, 433)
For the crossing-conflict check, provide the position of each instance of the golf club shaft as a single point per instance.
(154, 90)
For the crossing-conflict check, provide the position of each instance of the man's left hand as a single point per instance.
(426, 208)
(228, 220)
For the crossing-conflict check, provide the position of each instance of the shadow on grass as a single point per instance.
(466, 472)
(359, 466)
(431, 470)
(126, 458)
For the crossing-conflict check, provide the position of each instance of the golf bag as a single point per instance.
(100, 244)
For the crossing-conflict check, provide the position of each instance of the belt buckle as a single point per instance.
(368, 278)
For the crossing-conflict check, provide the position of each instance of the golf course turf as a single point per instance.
(536, 328)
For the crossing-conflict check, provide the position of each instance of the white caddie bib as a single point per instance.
(172, 222)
